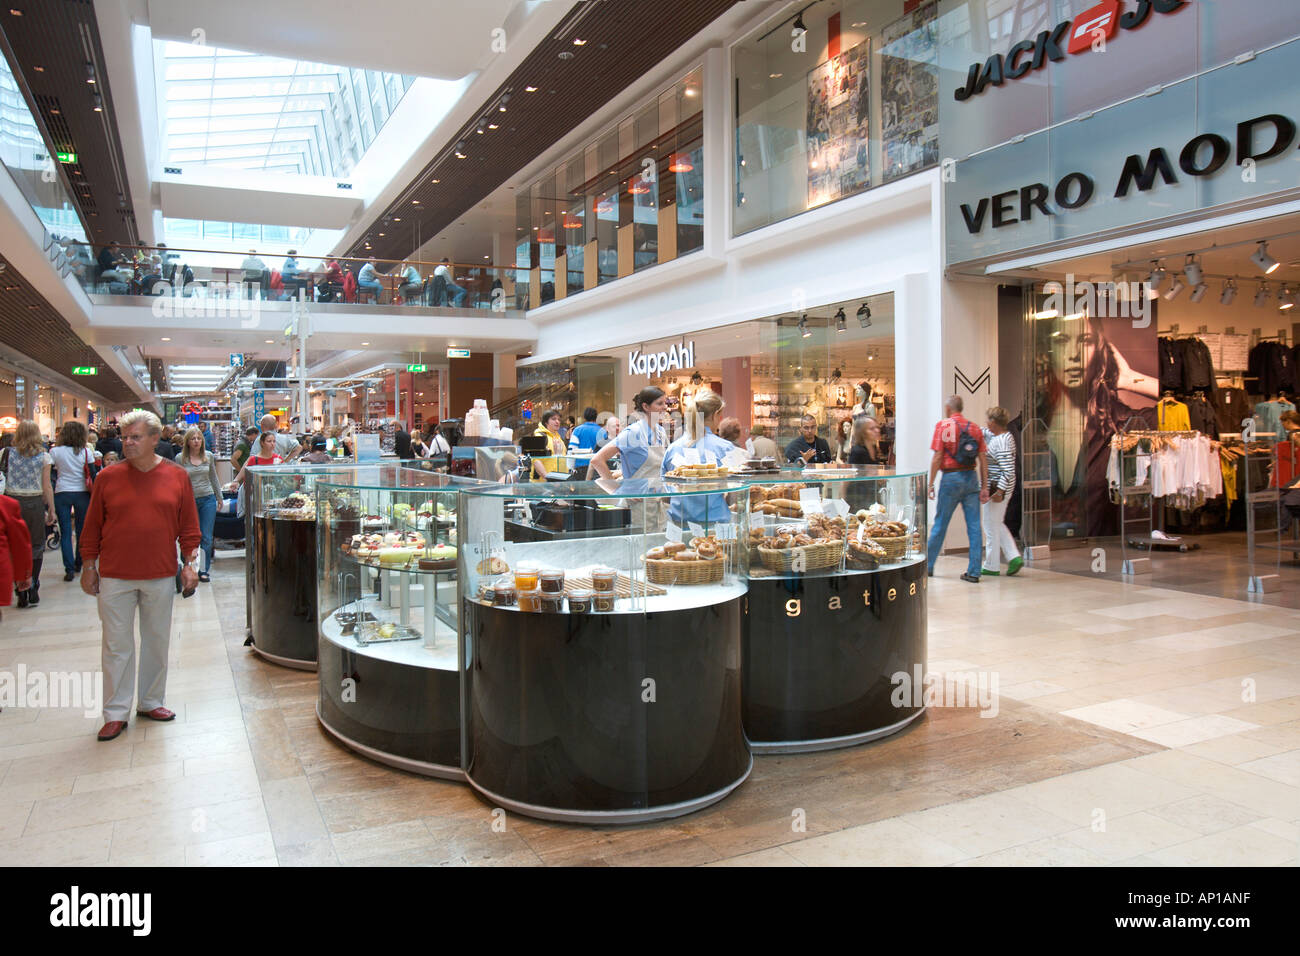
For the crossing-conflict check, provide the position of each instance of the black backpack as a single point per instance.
(968, 447)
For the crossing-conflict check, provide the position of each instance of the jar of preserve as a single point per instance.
(604, 601)
(552, 581)
(581, 600)
(602, 579)
(503, 594)
(530, 600)
(526, 574)
(552, 601)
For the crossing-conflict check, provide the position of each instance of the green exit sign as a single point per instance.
(86, 370)
(417, 368)
(67, 157)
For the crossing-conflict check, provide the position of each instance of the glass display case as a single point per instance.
(836, 606)
(388, 607)
(601, 639)
(280, 560)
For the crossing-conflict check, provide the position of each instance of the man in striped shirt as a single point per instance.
(1002, 482)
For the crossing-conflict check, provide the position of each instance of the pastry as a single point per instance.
(439, 556)
(492, 565)
(656, 554)
(672, 547)
(706, 550)
(686, 555)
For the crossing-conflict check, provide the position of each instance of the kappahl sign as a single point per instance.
(651, 364)
(1090, 30)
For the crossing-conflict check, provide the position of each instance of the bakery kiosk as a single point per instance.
(280, 560)
(836, 607)
(602, 678)
(387, 602)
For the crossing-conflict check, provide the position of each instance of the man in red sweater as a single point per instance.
(139, 508)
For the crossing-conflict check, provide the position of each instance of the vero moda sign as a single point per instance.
(1089, 31)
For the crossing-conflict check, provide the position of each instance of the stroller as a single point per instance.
(52, 536)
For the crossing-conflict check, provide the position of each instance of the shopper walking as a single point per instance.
(286, 446)
(15, 551)
(265, 456)
(244, 448)
(864, 448)
(75, 465)
(138, 512)
(26, 466)
(960, 453)
(998, 539)
(201, 465)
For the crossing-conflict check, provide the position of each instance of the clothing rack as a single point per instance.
(1147, 517)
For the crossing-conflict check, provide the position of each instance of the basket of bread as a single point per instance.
(890, 536)
(786, 552)
(676, 562)
(699, 472)
(780, 500)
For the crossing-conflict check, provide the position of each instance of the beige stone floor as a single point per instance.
(1136, 726)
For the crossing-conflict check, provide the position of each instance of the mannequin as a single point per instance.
(864, 406)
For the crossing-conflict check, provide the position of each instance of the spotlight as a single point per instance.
(1174, 289)
(864, 315)
(798, 27)
(98, 102)
(1157, 277)
(1192, 271)
(90, 72)
(803, 326)
(1267, 264)
(1199, 292)
(1229, 292)
(1286, 300)
(841, 321)
(1262, 295)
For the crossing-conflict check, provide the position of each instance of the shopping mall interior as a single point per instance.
(841, 432)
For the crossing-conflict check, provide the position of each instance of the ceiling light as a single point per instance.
(530, 89)
(1199, 292)
(365, 343)
(864, 315)
(166, 338)
(1157, 277)
(803, 326)
(841, 321)
(1286, 300)
(270, 341)
(577, 42)
(493, 126)
(395, 219)
(381, 235)
(1192, 271)
(13, 11)
(1229, 292)
(39, 69)
(1174, 289)
(681, 163)
(435, 181)
(692, 91)
(1262, 295)
(775, 76)
(1261, 258)
(90, 72)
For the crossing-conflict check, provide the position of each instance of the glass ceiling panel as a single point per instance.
(271, 107)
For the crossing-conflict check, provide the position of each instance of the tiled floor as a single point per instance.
(1134, 726)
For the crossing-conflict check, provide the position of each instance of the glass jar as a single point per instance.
(604, 601)
(552, 581)
(581, 600)
(602, 579)
(526, 575)
(552, 602)
(503, 594)
(530, 600)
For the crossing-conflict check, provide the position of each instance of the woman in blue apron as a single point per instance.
(641, 446)
(700, 417)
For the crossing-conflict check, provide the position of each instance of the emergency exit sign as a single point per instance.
(67, 157)
(85, 370)
(458, 353)
(417, 368)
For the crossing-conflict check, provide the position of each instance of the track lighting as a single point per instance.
(1157, 277)
(1192, 271)
(1262, 295)
(1286, 300)
(1267, 264)
(841, 321)
(97, 102)
(1174, 289)
(864, 315)
(1229, 292)
(1199, 292)
(803, 326)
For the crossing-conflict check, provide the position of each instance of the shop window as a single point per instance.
(850, 104)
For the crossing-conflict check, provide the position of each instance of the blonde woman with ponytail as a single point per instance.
(700, 416)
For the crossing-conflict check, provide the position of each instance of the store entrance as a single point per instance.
(1161, 424)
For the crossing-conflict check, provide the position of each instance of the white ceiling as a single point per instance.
(444, 39)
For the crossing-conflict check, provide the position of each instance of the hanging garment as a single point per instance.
(1171, 363)
(1171, 416)
(1272, 364)
(1268, 418)
(1198, 367)
(1201, 416)
(1234, 407)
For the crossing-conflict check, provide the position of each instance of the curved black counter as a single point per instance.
(820, 654)
(282, 590)
(558, 723)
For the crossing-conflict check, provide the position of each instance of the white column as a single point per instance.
(718, 134)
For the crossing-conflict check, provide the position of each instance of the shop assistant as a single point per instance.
(808, 448)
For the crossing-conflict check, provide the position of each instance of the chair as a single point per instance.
(438, 291)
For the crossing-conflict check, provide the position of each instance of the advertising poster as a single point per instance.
(838, 128)
(909, 94)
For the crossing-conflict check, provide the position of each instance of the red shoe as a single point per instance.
(111, 729)
(158, 713)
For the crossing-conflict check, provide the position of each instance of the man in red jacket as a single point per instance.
(139, 508)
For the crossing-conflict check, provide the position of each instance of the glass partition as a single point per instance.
(846, 104)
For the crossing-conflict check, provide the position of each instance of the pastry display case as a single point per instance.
(835, 560)
(602, 664)
(280, 560)
(387, 601)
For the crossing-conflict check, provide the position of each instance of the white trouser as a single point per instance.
(118, 600)
(998, 542)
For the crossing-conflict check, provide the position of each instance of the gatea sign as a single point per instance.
(651, 364)
(1090, 30)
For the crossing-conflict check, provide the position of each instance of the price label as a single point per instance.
(810, 500)
(528, 511)
(691, 456)
(726, 532)
(697, 530)
(837, 508)
(672, 532)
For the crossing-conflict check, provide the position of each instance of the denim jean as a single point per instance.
(64, 504)
(957, 488)
(456, 294)
(375, 287)
(207, 506)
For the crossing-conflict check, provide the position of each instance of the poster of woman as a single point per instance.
(838, 125)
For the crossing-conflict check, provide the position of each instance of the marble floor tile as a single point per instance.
(1136, 834)
(1113, 790)
(772, 857)
(884, 843)
(1181, 733)
(1205, 814)
(986, 824)
(1282, 767)
(1125, 715)
(1238, 846)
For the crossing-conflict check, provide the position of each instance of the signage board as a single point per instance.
(67, 157)
(417, 368)
(367, 446)
(458, 353)
(236, 359)
(85, 370)
(651, 364)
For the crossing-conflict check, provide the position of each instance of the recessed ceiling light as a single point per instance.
(56, 112)
(577, 42)
(395, 219)
(493, 126)
(15, 12)
(270, 341)
(775, 76)
(416, 202)
(166, 338)
(381, 235)
(39, 69)
(530, 89)
(365, 343)
(860, 23)
(435, 180)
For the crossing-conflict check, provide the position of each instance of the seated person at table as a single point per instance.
(368, 280)
(700, 416)
(808, 448)
(256, 275)
(411, 284)
(330, 288)
(456, 292)
(289, 275)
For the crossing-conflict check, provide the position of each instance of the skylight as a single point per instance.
(249, 111)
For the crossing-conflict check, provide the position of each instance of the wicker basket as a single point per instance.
(668, 571)
(815, 556)
(895, 548)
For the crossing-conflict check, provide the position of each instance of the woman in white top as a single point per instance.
(998, 541)
(27, 480)
(71, 491)
(641, 445)
(201, 466)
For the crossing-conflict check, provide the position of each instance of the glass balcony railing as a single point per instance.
(202, 273)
